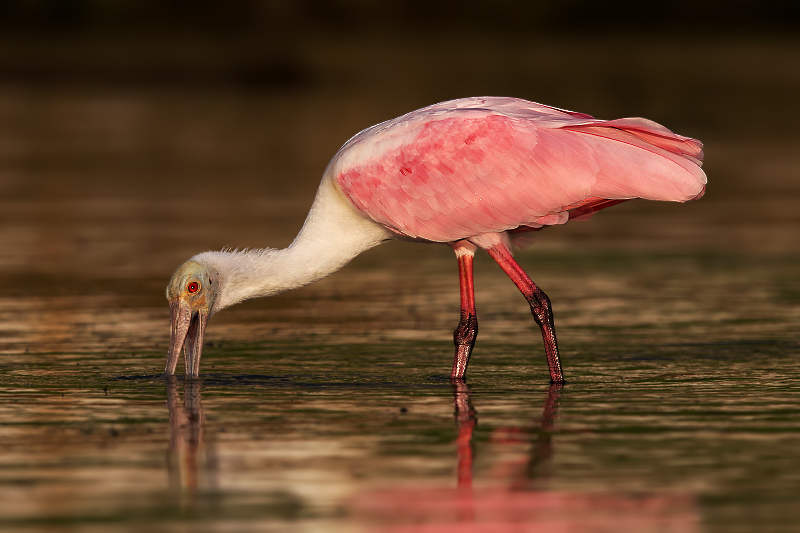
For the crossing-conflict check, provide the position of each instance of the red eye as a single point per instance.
(192, 287)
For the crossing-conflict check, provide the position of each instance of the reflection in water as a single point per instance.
(523, 505)
(541, 448)
(466, 419)
(191, 463)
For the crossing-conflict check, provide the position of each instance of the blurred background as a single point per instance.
(134, 134)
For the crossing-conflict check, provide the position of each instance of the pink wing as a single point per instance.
(487, 165)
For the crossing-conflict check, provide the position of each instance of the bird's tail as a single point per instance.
(658, 140)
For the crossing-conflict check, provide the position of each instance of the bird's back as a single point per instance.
(487, 165)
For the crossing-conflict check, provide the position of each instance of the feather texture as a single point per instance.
(476, 166)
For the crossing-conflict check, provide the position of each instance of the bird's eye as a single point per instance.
(192, 287)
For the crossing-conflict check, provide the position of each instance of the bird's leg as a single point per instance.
(467, 330)
(540, 306)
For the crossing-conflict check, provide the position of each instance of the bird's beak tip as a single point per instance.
(181, 318)
(188, 328)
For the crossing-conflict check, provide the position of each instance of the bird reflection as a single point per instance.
(466, 419)
(190, 461)
(541, 446)
(524, 504)
(539, 458)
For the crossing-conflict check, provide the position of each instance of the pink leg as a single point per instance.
(540, 306)
(467, 330)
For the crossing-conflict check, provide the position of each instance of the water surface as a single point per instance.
(681, 411)
(329, 408)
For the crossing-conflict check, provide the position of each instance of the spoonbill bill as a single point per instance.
(469, 173)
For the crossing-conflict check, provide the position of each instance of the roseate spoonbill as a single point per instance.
(470, 173)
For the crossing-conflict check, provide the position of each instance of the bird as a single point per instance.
(472, 173)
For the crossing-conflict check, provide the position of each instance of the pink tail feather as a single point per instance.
(650, 132)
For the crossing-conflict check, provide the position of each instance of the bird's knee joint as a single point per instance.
(540, 306)
(467, 330)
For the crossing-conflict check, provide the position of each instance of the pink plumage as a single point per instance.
(475, 166)
(472, 173)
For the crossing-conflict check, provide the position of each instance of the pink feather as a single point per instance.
(461, 169)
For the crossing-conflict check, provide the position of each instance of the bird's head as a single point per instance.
(192, 293)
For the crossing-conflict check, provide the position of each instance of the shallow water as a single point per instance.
(681, 411)
(329, 408)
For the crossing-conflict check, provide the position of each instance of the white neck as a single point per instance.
(333, 234)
